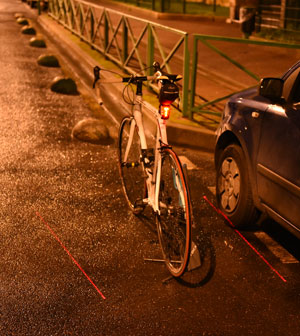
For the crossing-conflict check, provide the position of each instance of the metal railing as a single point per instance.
(207, 106)
(130, 42)
(283, 16)
(134, 44)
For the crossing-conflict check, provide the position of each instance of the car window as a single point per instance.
(288, 85)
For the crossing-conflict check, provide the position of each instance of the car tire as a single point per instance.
(233, 188)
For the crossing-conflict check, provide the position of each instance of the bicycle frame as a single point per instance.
(153, 175)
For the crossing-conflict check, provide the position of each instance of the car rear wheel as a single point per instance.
(233, 189)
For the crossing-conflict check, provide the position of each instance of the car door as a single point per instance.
(278, 160)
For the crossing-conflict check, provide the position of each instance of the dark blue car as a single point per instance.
(257, 153)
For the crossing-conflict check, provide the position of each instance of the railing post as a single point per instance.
(125, 41)
(106, 31)
(92, 26)
(194, 76)
(162, 7)
(186, 79)
(81, 22)
(51, 7)
(72, 19)
(150, 50)
(282, 14)
(64, 12)
(39, 7)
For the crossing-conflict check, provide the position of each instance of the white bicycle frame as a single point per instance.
(153, 175)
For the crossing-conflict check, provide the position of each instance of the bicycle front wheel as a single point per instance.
(174, 216)
(130, 165)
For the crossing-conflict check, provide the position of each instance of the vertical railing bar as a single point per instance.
(194, 76)
(92, 26)
(98, 29)
(160, 49)
(186, 79)
(150, 50)
(124, 40)
(114, 34)
(85, 21)
(106, 31)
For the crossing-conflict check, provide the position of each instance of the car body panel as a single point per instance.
(279, 164)
(269, 134)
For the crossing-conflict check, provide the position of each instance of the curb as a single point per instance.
(81, 65)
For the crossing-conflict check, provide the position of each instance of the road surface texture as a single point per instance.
(72, 254)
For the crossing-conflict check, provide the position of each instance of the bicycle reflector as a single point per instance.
(165, 111)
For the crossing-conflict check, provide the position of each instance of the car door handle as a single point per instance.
(255, 114)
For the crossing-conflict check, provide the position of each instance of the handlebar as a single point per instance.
(159, 75)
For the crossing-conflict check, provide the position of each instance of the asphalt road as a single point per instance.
(72, 254)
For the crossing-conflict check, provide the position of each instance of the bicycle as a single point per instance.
(154, 176)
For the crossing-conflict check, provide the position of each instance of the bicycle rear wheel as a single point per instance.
(174, 217)
(130, 165)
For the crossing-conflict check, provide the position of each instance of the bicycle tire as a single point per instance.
(174, 217)
(131, 171)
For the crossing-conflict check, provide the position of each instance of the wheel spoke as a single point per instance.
(221, 184)
(225, 167)
(174, 222)
(233, 168)
(236, 185)
(232, 201)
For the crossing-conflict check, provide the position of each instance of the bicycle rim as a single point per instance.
(131, 169)
(174, 219)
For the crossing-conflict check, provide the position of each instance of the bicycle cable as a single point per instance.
(128, 90)
(126, 95)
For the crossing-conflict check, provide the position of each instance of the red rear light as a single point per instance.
(165, 111)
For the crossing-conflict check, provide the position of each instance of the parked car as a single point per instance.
(257, 153)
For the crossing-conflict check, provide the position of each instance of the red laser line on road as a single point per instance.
(245, 240)
(70, 255)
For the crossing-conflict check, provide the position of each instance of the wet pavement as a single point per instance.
(72, 254)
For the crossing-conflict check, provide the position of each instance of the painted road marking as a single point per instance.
(189, 164)
(245, 240)
(70, 255)
(280, 252)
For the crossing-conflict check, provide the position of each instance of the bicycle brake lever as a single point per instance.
(96, 75)
(156, 66)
